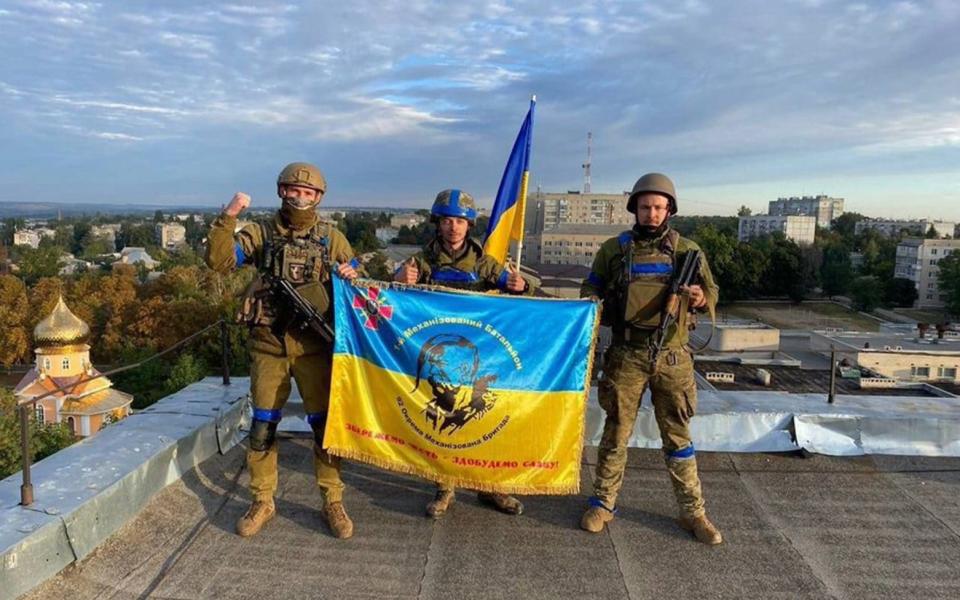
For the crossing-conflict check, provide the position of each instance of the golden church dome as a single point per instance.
(60, 328)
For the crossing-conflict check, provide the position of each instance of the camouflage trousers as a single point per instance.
(270, 388)
(627, 372)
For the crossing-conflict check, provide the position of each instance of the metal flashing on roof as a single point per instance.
(86, 492)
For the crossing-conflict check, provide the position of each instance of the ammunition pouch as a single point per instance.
(255, 306)
(645, 301)
(316, 294)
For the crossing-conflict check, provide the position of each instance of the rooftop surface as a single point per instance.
(795, 380)
(815, 527)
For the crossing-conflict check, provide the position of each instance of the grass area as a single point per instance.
(928, 315)
(807, 315)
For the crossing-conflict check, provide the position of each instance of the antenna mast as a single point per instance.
(586, 165)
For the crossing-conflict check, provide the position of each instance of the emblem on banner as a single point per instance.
(373, 307)
(450, 363)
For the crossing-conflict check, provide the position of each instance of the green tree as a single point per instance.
(867, 292)
(39, 263)
(788, 271)
(744, 211)
(949, 281)
(186, 370)
(846, 224)
(14, 317)
(376, 267)
(899, 292)
(406, 235)
(836, 270)
(361, 231)
(931, 233)
(44, 439)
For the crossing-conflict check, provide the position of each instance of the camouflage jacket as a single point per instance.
(227, 250)
(605, 280)
(470, 269)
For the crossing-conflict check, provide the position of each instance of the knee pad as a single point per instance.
(318, 422)
(262, 434)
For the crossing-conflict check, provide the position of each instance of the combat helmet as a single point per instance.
(653, 183)
(302, 174)
(454, 203)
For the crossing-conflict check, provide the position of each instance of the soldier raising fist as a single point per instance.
(238, 204)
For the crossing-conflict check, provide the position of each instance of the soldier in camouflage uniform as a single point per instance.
(630, 274)
(456, 260)
(299, 247)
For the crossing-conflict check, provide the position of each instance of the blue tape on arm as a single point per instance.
(239, 254)
(502, 280)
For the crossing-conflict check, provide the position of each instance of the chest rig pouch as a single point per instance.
(646, 272)
(459, 274)
(303, 261)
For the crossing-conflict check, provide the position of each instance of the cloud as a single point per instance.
(676, 83)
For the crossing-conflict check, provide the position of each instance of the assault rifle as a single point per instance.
(301, 312)
(688, 274)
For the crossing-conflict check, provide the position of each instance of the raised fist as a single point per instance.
(238, 204)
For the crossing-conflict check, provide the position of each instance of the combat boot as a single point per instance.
(701, 528)
(502, 502)
(441, 502)
(596, 516)
(256, 517)
(337, 520)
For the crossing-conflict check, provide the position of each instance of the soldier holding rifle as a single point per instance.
(651, 282)
(288, 310)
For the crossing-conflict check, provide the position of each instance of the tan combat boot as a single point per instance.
(502, 502)
(441, 502)
(337, 520)
(256, 517)
(596, 516)
(701, 528)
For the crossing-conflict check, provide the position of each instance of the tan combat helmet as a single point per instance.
(454, 203)
(303, 174)
(653, 183)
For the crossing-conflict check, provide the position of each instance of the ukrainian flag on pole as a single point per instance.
(506, 219)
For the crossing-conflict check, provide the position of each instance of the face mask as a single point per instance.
(297, 218)
(648, 232)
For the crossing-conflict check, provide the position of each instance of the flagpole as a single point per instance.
(523, 200)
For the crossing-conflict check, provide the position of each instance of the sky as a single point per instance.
(740, 102)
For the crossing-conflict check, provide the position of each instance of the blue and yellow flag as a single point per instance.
(506, 218)
(482, 391)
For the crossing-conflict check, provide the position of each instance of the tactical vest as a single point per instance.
(303, 261)
(460, 274)
(645, 279)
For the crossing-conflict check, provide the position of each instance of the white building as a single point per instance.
(386, 234)
(917, 261)
(801, 229)
(26, 237)
(409, 220)
(107, 231)
(824, 208)
(893, 227)
(549, 210)
(901, 357)
(131, 255)
(568, 244)
(171, 235)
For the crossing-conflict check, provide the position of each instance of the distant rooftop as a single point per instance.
(795, 381)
